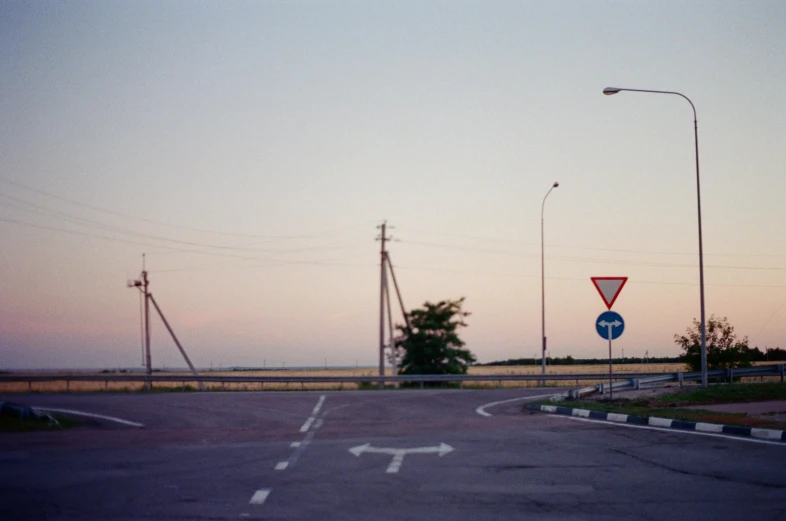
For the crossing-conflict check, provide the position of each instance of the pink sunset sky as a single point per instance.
(250, 150)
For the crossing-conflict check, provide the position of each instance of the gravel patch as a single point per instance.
(651, 392)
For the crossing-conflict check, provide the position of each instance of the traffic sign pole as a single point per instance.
(611, 389)
(609, 326)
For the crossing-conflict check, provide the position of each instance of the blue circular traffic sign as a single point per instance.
(610, 325)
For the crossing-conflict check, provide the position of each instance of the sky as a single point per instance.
(251, 149)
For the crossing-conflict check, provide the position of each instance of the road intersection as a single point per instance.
(339, 455)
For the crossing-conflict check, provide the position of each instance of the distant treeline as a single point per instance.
(775, 354)
(772, 354)
(569, 360)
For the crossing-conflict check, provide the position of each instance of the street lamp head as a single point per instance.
(608, 91)
(556, 184)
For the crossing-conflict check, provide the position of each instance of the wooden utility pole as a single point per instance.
(177, 342)
(384, 299)
(148, 362)
(382, 290)
(393, 360)
(398, 293)
(144, 287)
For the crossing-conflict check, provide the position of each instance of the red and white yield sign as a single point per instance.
(609, 288)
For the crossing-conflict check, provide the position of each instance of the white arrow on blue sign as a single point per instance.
(610, 325)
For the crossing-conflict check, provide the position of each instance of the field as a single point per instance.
(65, 385)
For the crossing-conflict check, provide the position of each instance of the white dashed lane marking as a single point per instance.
(260, 496)
(312, 424)
(307, 425)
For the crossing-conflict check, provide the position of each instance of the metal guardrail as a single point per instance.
(727, 374)
(262, 380)
(624, 380)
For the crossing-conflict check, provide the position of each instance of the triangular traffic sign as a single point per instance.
(609, 288)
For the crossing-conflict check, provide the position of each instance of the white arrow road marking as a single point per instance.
(398, 454)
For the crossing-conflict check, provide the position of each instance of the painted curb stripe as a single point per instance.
(659, 422)
(767, 434)
(679, 424)
(709, 427)
(637, 420)
(733, 429)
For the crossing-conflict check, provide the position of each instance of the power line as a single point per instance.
(276, 262)
(620, 250)
(589, 259)
(174, 249)
(161, 223)
(520, 276)
(125, 231)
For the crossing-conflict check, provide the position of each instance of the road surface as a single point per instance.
(404, 455)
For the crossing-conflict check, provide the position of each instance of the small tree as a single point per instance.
(723, 348)
(431, 345)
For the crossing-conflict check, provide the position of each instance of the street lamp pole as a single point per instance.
(543, 282)
(614, 90)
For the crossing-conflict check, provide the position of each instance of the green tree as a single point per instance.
(723, 348)
(431, 344)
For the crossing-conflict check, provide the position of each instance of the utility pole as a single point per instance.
(384, 299)
(177, 342)
(144, 287)
(398, 293)
(148, 362)
(393, 360)
(382, 289)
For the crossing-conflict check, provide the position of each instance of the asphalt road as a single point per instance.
(403, 455)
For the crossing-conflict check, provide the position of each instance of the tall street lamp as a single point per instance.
(543, 282)
(613, 90)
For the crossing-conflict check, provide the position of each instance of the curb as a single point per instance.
(765, 434)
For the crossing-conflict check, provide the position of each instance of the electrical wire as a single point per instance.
(161, 223)
(590, 259)
(619, 250)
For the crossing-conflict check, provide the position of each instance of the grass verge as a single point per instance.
(716, 394)
(13, 423)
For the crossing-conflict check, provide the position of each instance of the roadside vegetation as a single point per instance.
(429, 343)
(14, 423)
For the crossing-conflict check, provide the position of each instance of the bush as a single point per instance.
(724, 350)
